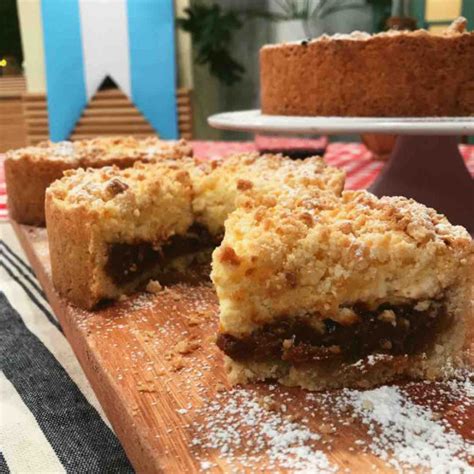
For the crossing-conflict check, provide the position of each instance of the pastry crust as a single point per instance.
(391, 74)
(87, 211)
(29, 171)
(317, 288)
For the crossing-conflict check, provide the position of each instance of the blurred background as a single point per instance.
(216, 46)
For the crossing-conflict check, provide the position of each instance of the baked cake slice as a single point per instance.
(29, 171)
(109, 229)
(335, 292)
(217, 193)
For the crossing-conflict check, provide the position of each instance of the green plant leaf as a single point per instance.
(212, 31)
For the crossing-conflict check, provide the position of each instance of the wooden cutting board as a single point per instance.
(154, 367)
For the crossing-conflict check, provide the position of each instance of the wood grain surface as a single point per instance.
(12, 123)
(109, 112)
(154, 366)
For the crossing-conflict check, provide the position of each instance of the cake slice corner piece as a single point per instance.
(353, 293)
(106, 227)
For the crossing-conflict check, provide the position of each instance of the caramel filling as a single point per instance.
(389, 329)
(127, 262)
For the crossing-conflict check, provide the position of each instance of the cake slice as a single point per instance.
(217, 192)
(337, 292)
(29, 171)
(110, 229)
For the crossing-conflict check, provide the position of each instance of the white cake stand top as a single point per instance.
(255, 121)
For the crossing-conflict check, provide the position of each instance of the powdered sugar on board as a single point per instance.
(245, 432)
(248, 428)
(406, 434)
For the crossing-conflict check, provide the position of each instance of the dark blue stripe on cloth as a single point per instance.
(32, 297)
(18, 258)
(31, 280)
(73, 427)
(3, 465)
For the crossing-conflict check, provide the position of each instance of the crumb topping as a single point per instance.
(457, 27)
(260, 178)
(99, 151)
(148, 202)
(357, 248)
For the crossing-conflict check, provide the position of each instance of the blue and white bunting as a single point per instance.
(131, 41)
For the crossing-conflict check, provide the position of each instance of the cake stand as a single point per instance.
(425, 163)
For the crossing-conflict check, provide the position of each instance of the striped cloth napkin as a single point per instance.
(50, 419)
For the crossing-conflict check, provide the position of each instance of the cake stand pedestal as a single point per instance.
(425, 164)
(431, 170)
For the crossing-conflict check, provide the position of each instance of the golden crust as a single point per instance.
(260, 176)
(29, 171)
(318, 256)
(323, 77)
(97, 152)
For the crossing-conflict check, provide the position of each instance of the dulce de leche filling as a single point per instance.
(128, 261)
(389, 329)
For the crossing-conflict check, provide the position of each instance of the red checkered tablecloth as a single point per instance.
(354, 158)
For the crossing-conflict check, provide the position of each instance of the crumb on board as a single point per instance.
(154, 286)
(146, 387)
(177, 362)
(187, 346)
(199, 317)
(184, 347)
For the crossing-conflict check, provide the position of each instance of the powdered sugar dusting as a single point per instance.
(405, 434)
(245, 433)
(404, 430)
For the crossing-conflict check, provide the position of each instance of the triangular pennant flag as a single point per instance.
(129, 41)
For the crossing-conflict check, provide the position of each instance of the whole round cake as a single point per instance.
(391, 74)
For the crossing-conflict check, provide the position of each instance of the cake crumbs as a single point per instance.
(187, 346)
(146, 387)
(177, 363)
(199, 317)
(154, 286)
